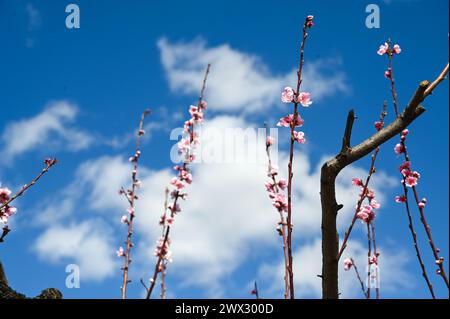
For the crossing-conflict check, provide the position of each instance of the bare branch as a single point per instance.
(348, 132)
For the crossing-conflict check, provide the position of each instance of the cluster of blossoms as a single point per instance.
(386, 49)
(275, 187)
(162, 249)
(400, 147)
(6, 211)
(410, 177)
(366, 213)
(304, 99)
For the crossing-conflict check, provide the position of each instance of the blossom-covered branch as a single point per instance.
(276, 188)
(410, 178)
(365, 212)
(6, 210)
(293, 121)
(186, 148)
(131, 197)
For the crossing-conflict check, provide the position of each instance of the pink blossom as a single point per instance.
(130, 211)
(398, 149)
(282, 183)
(299, 137)
(383, 48)
(439, 261)
(4, 194)
(196, 113)
(406, 166)
(421, 205)
(304, 98)
(373, 260)
(396, 49)
(400, 199)
(405, 132)
(309, 21)
(203, 105)
(186, 176)
(7, 212)
(410, 181)
(286, 121)
(162, 248)
(184, 145)
(357, 182)
(10, 210)
(288, 95)
(270, 140)
(170, 221)
(120, 252)
(375, 204)
(124, 219)
(187, 126)
(50, 161)
(177, 183)
(370, 193)
(378, 125)
(387, 74)
(269, 187)
(366, 213)
(348, 263)
(280, 202)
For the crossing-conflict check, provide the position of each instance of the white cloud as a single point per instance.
(240, 81)
(87, 244)
(52, 128)
(226, 219)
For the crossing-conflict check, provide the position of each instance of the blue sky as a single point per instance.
(81, 92)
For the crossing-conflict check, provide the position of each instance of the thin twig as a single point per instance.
(48, 164)
(291, 158)
(131, 196)
(416, 245)
(359, 278)
(376, 254)
(369, 254)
